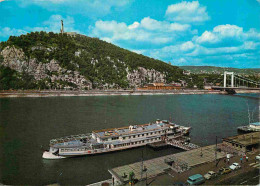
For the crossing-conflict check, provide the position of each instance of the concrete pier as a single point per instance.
(159, 166)
(178, 167)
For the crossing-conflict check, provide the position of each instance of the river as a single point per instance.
(27, 125)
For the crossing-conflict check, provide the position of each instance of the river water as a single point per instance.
(27, 125)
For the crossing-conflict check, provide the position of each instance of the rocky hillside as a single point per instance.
(41, 60)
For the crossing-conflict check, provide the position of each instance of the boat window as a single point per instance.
(142, 134)
(114, 138)
(133, 136)
(123, 137)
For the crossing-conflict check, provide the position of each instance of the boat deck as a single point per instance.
(138, 129)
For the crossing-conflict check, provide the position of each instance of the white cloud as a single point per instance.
(227, 35)
(148, 30)
(6, 32)
(228, 30)
(207, 37)
(188, 12)
(250, 45)
(134, 25)
(152, 24)
(172, 51)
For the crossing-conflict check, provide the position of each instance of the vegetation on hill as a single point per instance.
(99, 61)
(11, 79)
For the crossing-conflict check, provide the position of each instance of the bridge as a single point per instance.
(232, 82)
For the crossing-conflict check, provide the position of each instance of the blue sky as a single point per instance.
(222, 33)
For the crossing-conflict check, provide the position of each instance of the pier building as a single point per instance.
(241, 144)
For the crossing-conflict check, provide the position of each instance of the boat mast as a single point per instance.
(248, 113)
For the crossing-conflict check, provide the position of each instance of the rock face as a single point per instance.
(52, 71)
(141, 76)
(55, 76)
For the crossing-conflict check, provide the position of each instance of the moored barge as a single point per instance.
(109, 140)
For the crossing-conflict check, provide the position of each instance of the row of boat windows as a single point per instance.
(139, 135)
(74, 149)
(137, 142)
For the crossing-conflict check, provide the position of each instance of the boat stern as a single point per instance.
(50, 156)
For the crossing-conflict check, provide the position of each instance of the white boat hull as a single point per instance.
(48, 155)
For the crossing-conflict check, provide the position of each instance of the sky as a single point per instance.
(223, 33)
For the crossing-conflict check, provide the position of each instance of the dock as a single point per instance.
(177, 162)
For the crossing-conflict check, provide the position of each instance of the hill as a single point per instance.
(219, 70)
(41, 60)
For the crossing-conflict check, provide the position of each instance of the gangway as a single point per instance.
(182, 144)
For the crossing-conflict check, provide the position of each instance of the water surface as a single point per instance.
(27, 125)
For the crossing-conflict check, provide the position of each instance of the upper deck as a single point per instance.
(125, 131)
(71, 140)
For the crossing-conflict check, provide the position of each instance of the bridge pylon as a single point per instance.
(225, 78)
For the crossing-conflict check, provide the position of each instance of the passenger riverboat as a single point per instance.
(108, 140)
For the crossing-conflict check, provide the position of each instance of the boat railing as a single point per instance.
(70, 138)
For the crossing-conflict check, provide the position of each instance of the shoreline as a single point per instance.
(53, 93)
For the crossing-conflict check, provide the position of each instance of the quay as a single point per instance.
(162, 165)
(57, 93)
(172, 168)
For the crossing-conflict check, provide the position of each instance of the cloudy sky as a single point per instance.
(205, 32)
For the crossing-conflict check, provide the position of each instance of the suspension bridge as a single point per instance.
(232, 82)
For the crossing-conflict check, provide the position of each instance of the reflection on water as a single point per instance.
(27, 125)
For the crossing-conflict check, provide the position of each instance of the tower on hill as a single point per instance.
(62, 27)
